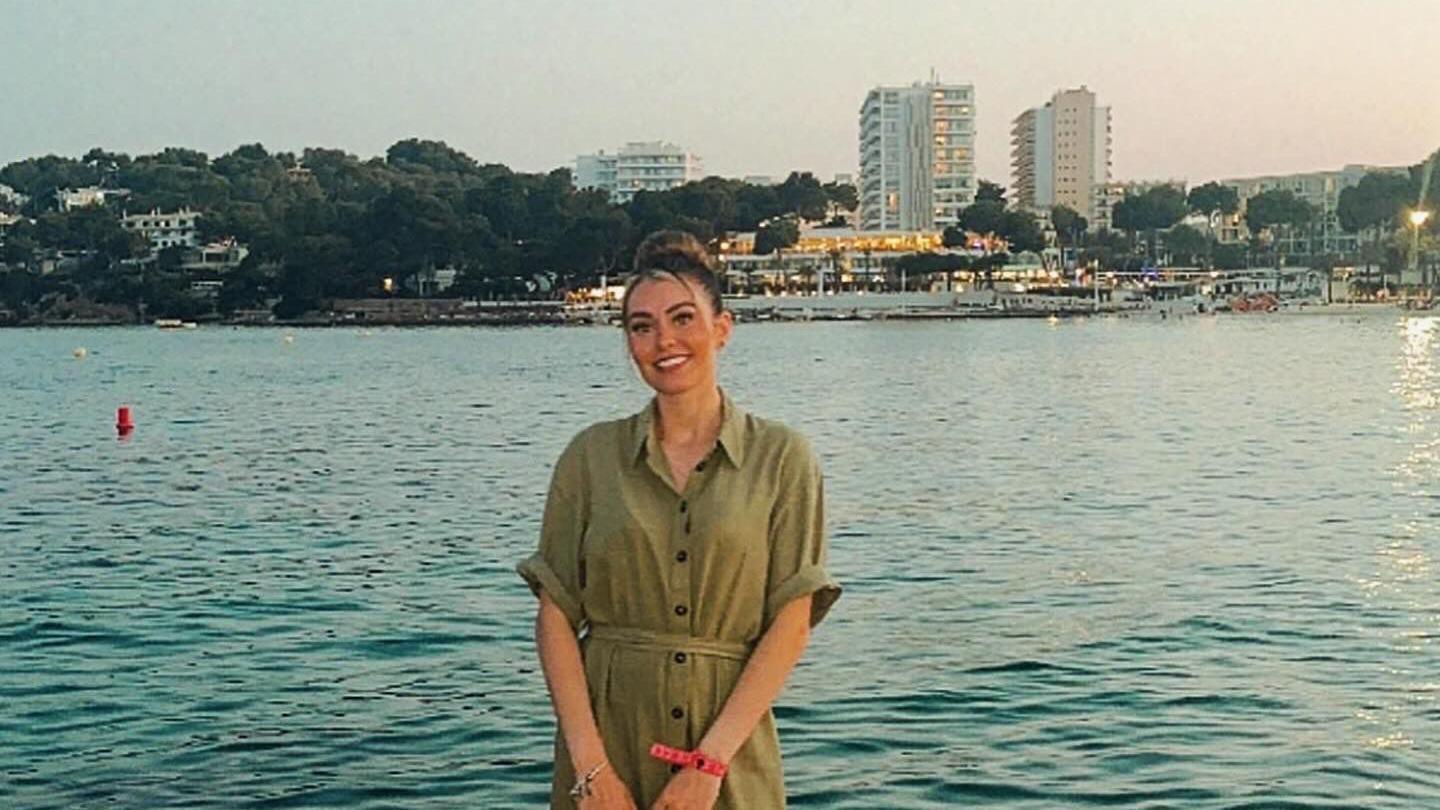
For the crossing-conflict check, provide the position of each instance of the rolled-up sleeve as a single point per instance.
(555, 566)
(798, 540)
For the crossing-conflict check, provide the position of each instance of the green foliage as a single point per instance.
(843, 195)
(1021, 231)
(803, 195)
(1277, 207)
(1230, 257)
(990, 192)
(922, 263)
(953, 237)
(1069, 225)
(330, 224)
(1375, 202)
(1187, 245)
(40, 177)
(1213, 198)
(983, 217)
(1156, 209)
(776, 235)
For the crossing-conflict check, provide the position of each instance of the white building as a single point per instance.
(72, 198)
(11, 196)
(163, 230)
(1321, 190)
(219, 256)
(595, 171)
(917, 156)
(1060, 154)
(638, 166)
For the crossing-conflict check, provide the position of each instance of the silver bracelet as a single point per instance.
(582, 784)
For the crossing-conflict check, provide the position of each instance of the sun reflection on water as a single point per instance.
(1402, 587)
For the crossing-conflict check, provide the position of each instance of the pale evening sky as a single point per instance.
(1199, 90)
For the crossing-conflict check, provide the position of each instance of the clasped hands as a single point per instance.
(687, 790)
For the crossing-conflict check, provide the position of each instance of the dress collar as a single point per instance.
(732, 430)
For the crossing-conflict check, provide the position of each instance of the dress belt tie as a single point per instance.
(670, 642)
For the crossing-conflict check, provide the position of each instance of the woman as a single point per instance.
(681, 567)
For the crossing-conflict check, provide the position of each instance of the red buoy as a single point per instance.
(123, 421)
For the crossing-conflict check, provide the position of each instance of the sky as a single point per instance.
(1198, 90)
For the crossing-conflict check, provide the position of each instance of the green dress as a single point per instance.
(670, 591)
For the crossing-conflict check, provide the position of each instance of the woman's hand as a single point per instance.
(607, 792)
(689, 790)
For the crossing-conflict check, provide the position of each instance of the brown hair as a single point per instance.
(678, 256)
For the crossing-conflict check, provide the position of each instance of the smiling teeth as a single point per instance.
(671, 362)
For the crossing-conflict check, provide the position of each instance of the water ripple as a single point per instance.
(1111, 563)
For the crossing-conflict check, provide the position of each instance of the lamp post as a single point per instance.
(1418, 217)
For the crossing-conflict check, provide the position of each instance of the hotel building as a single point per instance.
(917, 156)
(1321, 190)
(638, 166)
(1060, 154)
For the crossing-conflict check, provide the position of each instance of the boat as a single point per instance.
(174, 323)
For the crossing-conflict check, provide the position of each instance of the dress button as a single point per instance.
(681, 556)
(677, 712)
(683, 506)
(679, 657)
(681, 610)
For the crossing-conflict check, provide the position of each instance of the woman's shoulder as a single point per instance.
(776, 441)
(603, 437)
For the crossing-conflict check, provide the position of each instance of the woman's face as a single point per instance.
(673, 334)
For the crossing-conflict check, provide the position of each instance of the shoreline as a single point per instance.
(747, 315)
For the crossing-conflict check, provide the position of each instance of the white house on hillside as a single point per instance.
(162, 230)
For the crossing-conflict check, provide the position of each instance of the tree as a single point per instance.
(1187, 243)
(1021, 231)
(1374, 205)
(1230, 257)
(1375, 202)
(1069, 225)
(987, 191)
(1157, 209)
(776, 235)
(803, 195)
(983, 217)
(1213, 198)
(843, 196)
(434, 156)
(953, 237)
(1277, 211)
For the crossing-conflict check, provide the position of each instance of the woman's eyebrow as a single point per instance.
(674, 307)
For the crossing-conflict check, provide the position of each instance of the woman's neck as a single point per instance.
(690, 417)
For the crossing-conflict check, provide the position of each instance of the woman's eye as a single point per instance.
(683, 318)
(639, 328)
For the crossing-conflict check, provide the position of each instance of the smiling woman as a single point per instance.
(681, 567)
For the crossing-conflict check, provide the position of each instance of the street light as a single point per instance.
(1418, 217)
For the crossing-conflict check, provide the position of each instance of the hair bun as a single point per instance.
(674, 251)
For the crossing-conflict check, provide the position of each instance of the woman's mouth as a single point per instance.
(672, 363)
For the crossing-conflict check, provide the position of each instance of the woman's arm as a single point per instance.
(565, 676)
(760, 682)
